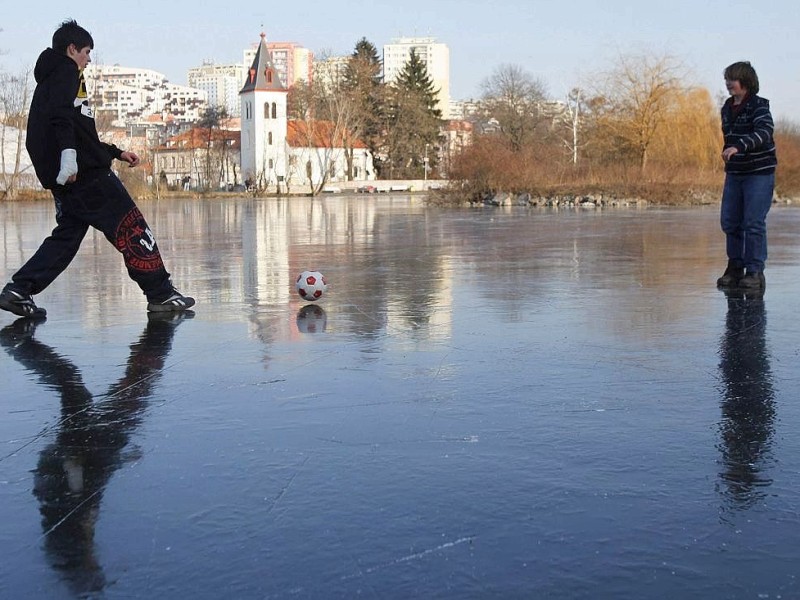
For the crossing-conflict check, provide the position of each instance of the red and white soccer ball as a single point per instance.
(311, 285)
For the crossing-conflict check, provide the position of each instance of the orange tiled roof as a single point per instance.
(319, 134)
(197, 138)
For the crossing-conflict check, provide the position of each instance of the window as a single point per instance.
(268, 73)
(274, 111)
(269, 138)
(271, 164)
(266, 110)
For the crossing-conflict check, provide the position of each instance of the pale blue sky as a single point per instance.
(562, 43)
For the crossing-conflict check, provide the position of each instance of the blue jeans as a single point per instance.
(746, 200)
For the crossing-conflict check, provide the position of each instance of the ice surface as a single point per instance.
(485, 403)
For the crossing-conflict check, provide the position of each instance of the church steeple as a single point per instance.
(262, 75)
(264, 121)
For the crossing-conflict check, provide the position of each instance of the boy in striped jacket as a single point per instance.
(750, 161)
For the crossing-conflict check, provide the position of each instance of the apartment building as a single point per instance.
(128, 95)
(330, 71)
(221, 83)
(436, 57)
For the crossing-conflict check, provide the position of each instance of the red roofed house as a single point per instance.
(200, 159)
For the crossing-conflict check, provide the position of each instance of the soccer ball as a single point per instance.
(311, 285)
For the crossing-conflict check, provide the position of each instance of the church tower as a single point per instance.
(264, 118)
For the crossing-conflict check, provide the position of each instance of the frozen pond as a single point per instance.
(488, 403)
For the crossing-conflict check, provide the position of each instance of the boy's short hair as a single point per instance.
(69, 32)
(744, 73)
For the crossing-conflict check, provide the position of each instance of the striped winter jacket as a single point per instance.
(750, 130)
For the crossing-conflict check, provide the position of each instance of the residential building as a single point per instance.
(317, 152)
(330, 71)
(221, 83)
(457, 135)
(436, 57)
(200, 159)
(292, 62)
(126, 94)
(469, 110)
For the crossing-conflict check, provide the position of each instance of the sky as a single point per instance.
(563, 44)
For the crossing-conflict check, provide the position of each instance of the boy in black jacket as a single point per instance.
(72, 162)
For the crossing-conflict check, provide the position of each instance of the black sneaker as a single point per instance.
(175, 302)
(731, 276)
(753, 280)
(20, 304)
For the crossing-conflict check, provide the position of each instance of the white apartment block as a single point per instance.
(221, 83)
(292, 61)
(436, 57)
(330, 71)
(130, 95)
(468, 110)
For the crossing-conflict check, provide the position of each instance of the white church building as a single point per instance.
(279, 153)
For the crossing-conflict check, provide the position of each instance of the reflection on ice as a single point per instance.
(91, 441)
(748, 403)
(311, 318)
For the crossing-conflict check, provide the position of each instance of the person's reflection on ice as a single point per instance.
(748, 407)
(91, 440)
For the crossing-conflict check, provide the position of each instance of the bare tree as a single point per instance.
(514, 98)
(216, 148)
(326, 117)
(14, 96)
(633, 101)
(573, 119)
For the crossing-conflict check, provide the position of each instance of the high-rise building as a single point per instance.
(435, 56)
(221, 83)
(292, 62)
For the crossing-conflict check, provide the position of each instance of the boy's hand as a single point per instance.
(728, 152)
(131, 158)
(69, 166)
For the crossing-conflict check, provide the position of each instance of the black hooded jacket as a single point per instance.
(60, 118)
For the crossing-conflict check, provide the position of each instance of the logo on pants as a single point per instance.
(136, 243)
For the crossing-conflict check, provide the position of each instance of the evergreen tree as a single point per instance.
(414, 78)
(413, 122)
(363, 82)
(364, 67)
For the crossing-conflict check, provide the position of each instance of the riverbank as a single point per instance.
(443, 193)
(623, 195)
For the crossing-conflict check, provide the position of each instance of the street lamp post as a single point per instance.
(425, 164)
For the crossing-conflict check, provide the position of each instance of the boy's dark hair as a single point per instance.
(69, 32)
(744, 73)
